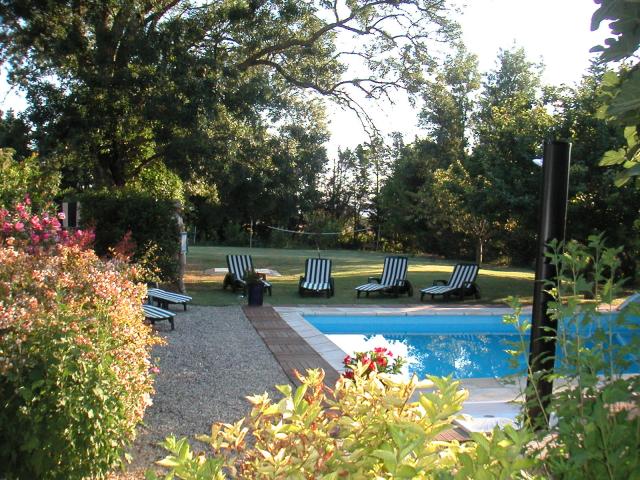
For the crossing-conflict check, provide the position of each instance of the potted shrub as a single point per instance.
(254, 288)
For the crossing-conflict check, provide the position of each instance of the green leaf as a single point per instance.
(612, 157)
(389, 459)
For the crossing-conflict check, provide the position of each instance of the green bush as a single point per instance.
(368, 427)
(152, 224)
(75, 375)
(597, 432)
(26, 178)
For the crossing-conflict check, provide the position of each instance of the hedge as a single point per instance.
(152, 224)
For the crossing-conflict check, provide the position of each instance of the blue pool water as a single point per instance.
(465, 346)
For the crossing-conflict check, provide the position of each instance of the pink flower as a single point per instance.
(46, 236)
(154, 370)
(35, 222)
(7, 227)
(35, 238)
(19, 226)
(61, 215)
(27, 199)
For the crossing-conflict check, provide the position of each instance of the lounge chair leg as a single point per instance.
(173, 327)
(185, 306)
(357, 293)
(421, 296)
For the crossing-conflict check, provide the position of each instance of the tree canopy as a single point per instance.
(114, 86)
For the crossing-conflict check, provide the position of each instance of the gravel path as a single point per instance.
(212, 361)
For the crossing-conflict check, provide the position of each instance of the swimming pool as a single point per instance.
(465, 346)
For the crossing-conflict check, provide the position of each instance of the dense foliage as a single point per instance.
(151, 222)
(222, 106)
(74, 353)
(369, 426)
(19, 178)
(590, 426)
(621, 90)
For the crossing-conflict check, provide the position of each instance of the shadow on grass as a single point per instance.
(350, 269)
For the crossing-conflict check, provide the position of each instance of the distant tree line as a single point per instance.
(210, 105)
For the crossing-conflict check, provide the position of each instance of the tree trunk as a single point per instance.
(479, 250)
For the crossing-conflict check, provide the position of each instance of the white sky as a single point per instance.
(554, 31)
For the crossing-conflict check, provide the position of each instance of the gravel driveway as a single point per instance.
(212, 361)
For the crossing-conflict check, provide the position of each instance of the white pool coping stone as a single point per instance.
(491, 401)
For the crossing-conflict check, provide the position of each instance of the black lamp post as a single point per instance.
(553, 219)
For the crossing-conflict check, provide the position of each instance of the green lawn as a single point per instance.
(350, 268)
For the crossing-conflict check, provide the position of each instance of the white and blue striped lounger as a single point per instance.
(155, 314)
(462, 280)
(317, 277)
(393, 280)
(631, 299)
(238, 266)
(164, 298)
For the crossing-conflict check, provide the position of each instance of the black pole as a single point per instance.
(553, 219)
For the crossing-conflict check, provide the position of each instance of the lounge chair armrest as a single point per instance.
(374, 280)
(439, 282)
(468, 284)
(263, 276)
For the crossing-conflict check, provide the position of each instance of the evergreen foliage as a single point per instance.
(151, 221)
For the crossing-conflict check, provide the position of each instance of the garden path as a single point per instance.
(211, 362)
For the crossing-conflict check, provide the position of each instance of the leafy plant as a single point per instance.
(371, 426)
(75, 374)
(621, 90)
(152, 224)
(594, 412)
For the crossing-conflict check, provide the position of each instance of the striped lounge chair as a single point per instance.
(238, 266)
(393, 279)
(462, 281)
(317, 277)
(163, 298)
(630, 300)
(156, 314)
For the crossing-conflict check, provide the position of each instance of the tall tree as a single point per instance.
(448, 105)
(15, 134)
(114, 86)
(596, 204)
(510, 126)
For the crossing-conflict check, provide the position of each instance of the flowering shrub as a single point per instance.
(379, 360)
(368, 427)
(25, 230)
(75, 375)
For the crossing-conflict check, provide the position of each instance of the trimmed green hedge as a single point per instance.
(152, 224)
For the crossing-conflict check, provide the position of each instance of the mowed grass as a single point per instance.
(350, 269)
